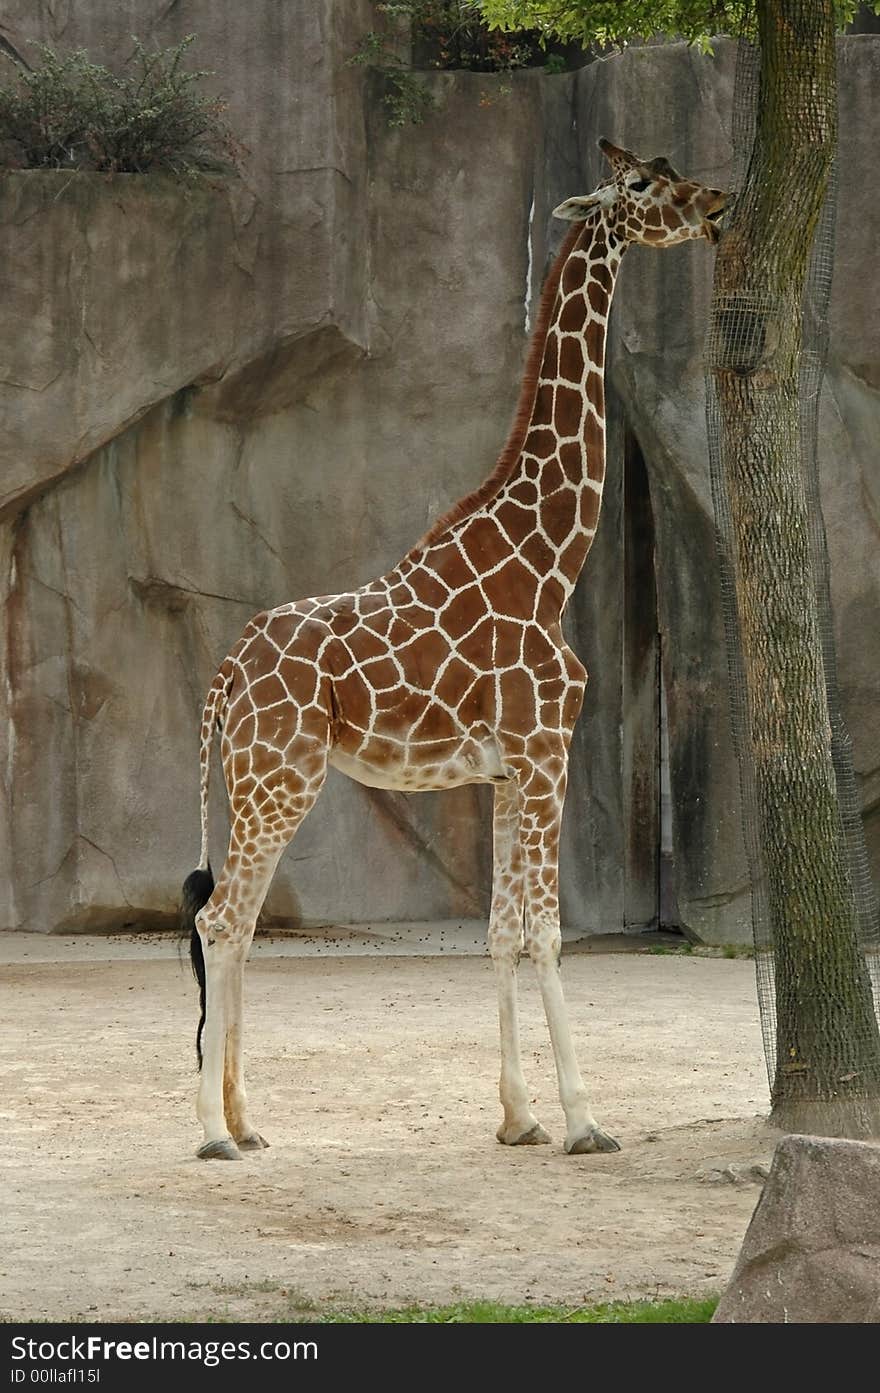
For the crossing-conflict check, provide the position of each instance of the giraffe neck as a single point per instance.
(541, 503)
(549, 504)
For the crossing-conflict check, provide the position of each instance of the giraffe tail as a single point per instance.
(213, 714)
(197, 890)
(199, 884)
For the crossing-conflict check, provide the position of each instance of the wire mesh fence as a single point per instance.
(741, 331)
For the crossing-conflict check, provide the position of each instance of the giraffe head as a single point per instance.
(647, 201)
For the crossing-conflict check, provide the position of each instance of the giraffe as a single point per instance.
(450, 669)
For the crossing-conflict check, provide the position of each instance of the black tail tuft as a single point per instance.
(197, 890)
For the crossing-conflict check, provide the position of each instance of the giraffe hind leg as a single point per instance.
(226, 927)
(235, 1105)
(520, 1126)
(197, 892)
(263, 825)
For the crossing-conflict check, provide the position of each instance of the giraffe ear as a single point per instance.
(662, 166)
(577, 209)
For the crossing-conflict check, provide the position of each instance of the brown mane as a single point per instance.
(510, 454)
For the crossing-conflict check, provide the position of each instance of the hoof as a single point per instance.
(535, 1136)
(594, 1140)
(224, 1150)
(252, 1142)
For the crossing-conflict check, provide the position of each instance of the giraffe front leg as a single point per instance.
(520, 1126)
(541, 819)
(582, 1131)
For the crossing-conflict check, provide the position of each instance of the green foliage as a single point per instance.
(407, 101)
(616, 21)
(690, 1311)
(445, 35)
(496, 36)
(452, 34)
(71, 113)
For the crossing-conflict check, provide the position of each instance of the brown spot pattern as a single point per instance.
(571, 358)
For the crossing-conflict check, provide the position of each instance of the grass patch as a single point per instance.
(723, 950)
(295, 1307)
(690, 1311)
(263, 1286)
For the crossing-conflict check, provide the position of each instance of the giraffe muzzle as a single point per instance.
(712, 225)
(714, 219)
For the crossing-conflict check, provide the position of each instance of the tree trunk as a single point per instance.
(828, 1045)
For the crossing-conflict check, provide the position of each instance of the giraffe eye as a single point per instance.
(640, 185)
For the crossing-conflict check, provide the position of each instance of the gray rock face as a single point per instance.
(812, 1250)
(218, 399)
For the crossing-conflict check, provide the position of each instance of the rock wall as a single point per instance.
(219, 398)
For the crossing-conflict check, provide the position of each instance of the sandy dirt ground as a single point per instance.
(374, 1079)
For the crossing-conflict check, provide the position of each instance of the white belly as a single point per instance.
(472, 764)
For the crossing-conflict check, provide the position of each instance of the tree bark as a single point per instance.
(828, 1045)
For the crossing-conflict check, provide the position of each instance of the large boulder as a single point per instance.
(812, 1250)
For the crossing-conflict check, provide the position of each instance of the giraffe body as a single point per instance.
(450, 669)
